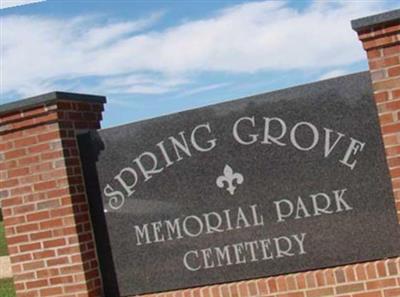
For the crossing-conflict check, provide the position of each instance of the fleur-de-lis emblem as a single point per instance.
(229, 178)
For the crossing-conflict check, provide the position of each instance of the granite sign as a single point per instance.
(275, 183)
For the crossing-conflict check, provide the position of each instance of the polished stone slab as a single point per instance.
(276, 183)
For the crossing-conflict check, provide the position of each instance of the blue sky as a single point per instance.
(152, 58)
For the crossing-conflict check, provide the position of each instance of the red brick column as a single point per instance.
(45, 208)
(381, 41)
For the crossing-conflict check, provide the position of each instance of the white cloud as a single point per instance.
(203, 89)
(140, 83)
(12, 3)
(333, 73)
(250, 37)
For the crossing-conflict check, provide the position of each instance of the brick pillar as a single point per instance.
(47, 222)
(380, 36)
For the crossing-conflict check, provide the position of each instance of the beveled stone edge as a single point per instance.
(47, 98)
(364, 23)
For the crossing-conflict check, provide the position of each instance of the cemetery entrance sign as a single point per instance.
(281, 182)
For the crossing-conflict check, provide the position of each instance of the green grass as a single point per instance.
(6, 285)
(3, 245)
(7, 288)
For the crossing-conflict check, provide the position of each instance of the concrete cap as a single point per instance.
(49, 98)
(362, 24)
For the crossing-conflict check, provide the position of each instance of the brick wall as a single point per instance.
(46, 217)
(373, 279)
(382, 44)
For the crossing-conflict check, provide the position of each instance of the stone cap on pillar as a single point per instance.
(49, 98)
(369, 22)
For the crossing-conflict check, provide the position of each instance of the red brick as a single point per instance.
(391, 292)
(378, 42)
(34, 111)
(380, 266)
(45, 273)
(52, 155)
(28, 160)
(8, 165)
(393, 28)
(54, 243)
(71, 269)
(18, 172)
(384, 62)
(57, 261)
(14, 220)
(395, 172)
(36, 284)
(51, 291)
(22, 124)
(64, 105)
(30, 247)
(57, 193)
(390, 140)
(349, 288)
(392, 267)
(262, 286)
(27, 228)
(12, 135)
(391, 128)
(28, 294)
(18, 286)
(24, 276)
(281, 283)
(10, 117)
(387, 84)
(11, 201)
(39, 148)
(53, 223)
(61, 280)
(83, 106)
(46, 118)
(320, 292)
(5, 146)
(294, 294)
(396, 94)
(300, 281)
(44, 254)
(15, 154)
(40, 235)
(53, 135)
(272, 285)
(383, 283)
(38, 216)
(61, 212)
(374, 53)
(74, 288)
(391, 50)
(20, 258)
(45, 185)
(369, 294)
(371, 270)
(8, 183)
(386, 118)
(97, 107)
(24, 208)
(75, 115)
(17, 239)
(21, 190)
(27, 141)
